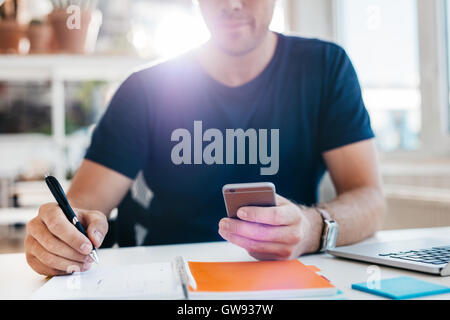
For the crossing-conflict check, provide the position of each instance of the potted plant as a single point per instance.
(12, 32)
(75, 25)
(40, 34)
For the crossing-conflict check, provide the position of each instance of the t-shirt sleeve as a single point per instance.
(343, 116)
(120, 140)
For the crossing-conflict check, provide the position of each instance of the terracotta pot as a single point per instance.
(11, 35)
(41, 37)
(73, 40)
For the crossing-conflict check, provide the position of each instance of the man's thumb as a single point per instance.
(97, 226)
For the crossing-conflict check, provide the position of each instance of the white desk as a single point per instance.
(18, 280)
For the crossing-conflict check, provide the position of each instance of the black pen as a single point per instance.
(63, 203)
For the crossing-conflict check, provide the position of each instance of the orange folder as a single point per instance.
(259, 279)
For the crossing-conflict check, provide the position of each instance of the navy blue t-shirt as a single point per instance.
(309, 92)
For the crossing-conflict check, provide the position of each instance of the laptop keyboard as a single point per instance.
(434, 255)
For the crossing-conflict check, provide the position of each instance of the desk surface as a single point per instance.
(19, 281)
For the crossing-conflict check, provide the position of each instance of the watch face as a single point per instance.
(331, 234)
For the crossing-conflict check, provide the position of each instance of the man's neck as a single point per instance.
(235, 71)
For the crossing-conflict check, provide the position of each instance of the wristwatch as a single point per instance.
(329, 232)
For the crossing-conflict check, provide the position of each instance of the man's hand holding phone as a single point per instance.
(281, 232)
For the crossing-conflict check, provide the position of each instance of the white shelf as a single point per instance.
(59, 68)
(67, 67)
(12, 216)
(415, 193)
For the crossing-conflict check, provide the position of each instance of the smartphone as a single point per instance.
(259, 194)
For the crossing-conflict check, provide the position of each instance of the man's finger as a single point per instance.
(59, 226)
(276, 216)
(56, 262)
(96, 225)
(39, 231)
(277, 250)
(262, 232)
(41, 268)
(281, 200)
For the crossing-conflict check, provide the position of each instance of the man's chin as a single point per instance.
(237, 47)
(237, 43)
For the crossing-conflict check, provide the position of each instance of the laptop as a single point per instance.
(425, 255)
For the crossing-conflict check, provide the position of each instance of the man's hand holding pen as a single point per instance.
(55, 247)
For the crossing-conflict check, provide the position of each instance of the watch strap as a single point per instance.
(327, 222)
(325, 215)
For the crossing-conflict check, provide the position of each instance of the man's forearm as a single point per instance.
(359, 213)
(95, 187)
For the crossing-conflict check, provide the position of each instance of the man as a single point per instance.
(245, 77)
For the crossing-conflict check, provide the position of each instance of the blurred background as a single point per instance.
(56, 81)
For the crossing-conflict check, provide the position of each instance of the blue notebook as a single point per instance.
(403, 288)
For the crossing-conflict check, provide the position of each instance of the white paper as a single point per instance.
(146, 281)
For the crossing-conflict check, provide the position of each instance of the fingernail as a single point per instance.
(224, 224)
(87, 266)
(98, 236)
(223, 234)
(88, 259)
(85, 248)
(242, 214)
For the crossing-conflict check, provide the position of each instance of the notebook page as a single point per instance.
(146, 281)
